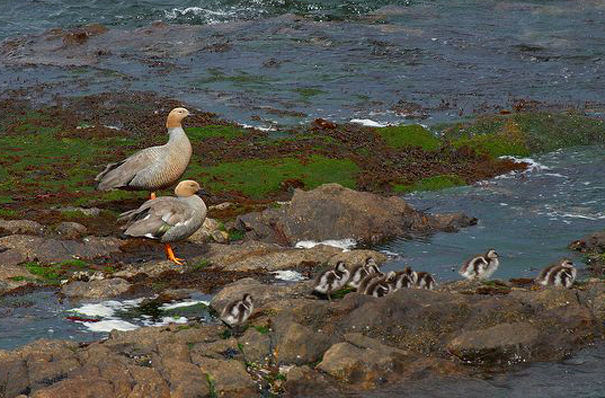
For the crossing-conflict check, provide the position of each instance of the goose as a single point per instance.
(238, 311)
(480, 267)
(152, 168)
(561, 274)
(332, 280)
(168, 219)
(361, 271)
(425, 280)
(381, 286)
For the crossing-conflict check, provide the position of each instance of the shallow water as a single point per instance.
(43, 315)
(579, 376)
(387, 60)
(529, 218)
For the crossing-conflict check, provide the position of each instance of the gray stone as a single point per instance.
(71, 230)
(96, 289)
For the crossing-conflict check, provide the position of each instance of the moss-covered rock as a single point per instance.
(407, 136)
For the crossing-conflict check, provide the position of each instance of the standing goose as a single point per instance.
(361, 271)
(237, 312)
(152, 168)
(332, 280)
(480, 267)
(561, 274)
(168, 219)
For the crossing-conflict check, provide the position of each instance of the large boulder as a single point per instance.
(332, 211)
(98, 289)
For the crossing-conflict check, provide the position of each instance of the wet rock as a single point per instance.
(21, 227)
(219, 349)
(96, 289)
(598, 307)
(303, 382)
(71, 230)
(297, 344)
(360, 360)
(501, 344)
(548, 298)
(228, 378)
(332, 211)
(254, 255)
(35, 248)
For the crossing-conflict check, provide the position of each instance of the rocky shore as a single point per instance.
(294, 345)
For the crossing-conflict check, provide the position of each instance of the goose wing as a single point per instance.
(156, 217)
(121, 174)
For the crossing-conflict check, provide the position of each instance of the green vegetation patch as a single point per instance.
(308, 92)
(50, 273)
(409, 136)
(431, 184)
(212, 131)
(258, 177)
(521, 134)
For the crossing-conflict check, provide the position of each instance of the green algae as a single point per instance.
(406, 136)
(197, 134)
(258, 178)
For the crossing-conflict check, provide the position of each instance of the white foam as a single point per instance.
(261, 128)
(344, 244)
(165, 321)
(108, 325)
(181, 304)
(288, 275)
(368, 123)
(532, 165)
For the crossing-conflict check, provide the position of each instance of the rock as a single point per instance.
(332, 211)
(219, 349)
(361, 361)
(221, 206)
(254, 255)
(186, 379)
(205, 232)
(96, 289)
(598, 307)
(297, 344)
(261, 292)
(71, 230)
(303, 382)
(501, 344)
(228, 378)
(35, 248)
(21, 227)
(220, 236)
(255, 346)
(548, 297)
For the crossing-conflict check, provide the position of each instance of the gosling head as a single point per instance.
(341, 267)
(176, 116)
(248, 299)
(491, 253)
(187, 188)
(565, 262)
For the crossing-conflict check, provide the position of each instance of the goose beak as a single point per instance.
(202, 192)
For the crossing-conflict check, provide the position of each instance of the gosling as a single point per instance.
(361, 271)
(332, 280)
(480, 267)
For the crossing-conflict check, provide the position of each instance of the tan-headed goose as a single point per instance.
(332, 280)
(480, 267)
(168, 219)
(361, 271)
(152, 168)
(563, 274)
(237, 312)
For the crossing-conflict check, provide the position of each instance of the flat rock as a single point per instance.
(255, 255)
(229, 378)
(102, 289)
(298, 344)
(22, 248)
(501, 344)
(332, 211)
(21, 227)
(71, 230)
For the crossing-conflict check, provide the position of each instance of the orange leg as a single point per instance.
(171, 256)
(152, 196)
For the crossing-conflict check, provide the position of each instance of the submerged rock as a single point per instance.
(332, 211)
(98, 289)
